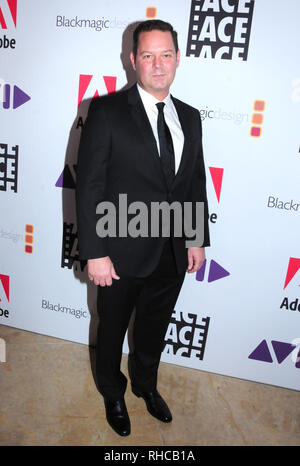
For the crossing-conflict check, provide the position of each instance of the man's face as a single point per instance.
(156, 62)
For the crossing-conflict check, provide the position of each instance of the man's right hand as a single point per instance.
(101, 271)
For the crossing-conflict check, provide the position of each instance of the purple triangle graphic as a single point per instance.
(59, 183)
(20, 97)
(65, 179)
(261, 353)
(298, 361)
(200, 272)
(282, 350)
(216, 271)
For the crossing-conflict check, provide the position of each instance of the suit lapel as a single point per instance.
(140, 118)
(187, 137)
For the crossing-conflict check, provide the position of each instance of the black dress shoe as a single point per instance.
(117, 416)
(155, 405)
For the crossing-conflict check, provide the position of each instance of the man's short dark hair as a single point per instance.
(151, 25)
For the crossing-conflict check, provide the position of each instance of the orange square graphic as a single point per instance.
(28, 249)
(151, 12)
(257, 118)
(28, 239)
(255, 131)
(29, 228)
(259, 105)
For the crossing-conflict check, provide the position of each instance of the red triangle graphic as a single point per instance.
(13, 9)
(2, 20)
(217, 177)
(84, 81)
(110, 83)
(293, 267)
(5, 282)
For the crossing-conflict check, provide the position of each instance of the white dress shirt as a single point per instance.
(172, 120)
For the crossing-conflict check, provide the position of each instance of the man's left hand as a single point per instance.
(196, 257)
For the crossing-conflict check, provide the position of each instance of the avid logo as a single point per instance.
(8, 20)
(186, 335)
(281, 351)
(9, 168)
(4, 295)
(12, 96)
(70, 252)
(291, 304)
(215, 272)
(220, 29)
(90, 86)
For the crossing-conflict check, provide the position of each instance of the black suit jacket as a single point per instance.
(118, 155)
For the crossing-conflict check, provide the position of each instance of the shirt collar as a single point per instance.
(149, 100)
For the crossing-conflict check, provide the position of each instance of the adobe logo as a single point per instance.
(4, 281)
(8, 8)
(14, 97)
(216, 174)
(216, 272)
(293, 267)
(87, 83)
(281, 350)
(4, 294)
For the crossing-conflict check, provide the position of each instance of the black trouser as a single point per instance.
(154, 298)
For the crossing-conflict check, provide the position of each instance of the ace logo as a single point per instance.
(220, 29)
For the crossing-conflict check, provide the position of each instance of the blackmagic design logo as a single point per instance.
(9, 168)
(220, 29)
(66, 310)
(186, 335)
(70, 253)
(277, 203)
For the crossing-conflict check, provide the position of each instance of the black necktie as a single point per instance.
(167, 155)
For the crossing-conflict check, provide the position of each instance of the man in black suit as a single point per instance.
(146, 144)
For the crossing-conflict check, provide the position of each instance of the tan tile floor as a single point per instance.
(48, 397)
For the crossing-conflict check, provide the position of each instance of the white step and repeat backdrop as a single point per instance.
(240, 315)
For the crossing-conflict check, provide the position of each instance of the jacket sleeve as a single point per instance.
(93, 158)
(198, 189)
